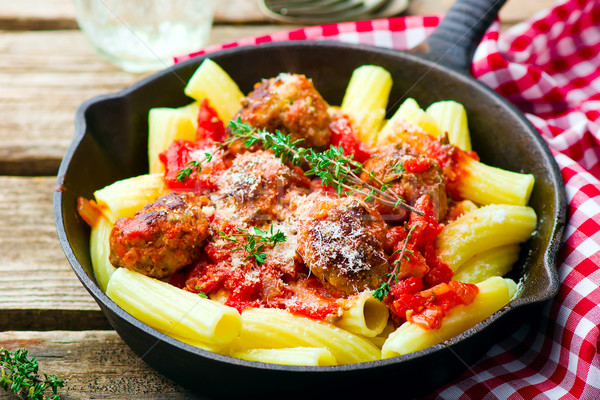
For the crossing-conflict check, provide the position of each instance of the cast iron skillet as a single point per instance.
(110, 144)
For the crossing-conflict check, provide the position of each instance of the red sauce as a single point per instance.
(417, 165)
(89, 211)
(427, 307)
(425, 292)
(343, 135)
(179, 154)
(210, 128)
(248, 285)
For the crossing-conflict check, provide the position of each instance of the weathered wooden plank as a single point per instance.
(39, 289)
(30, 246)
(37, 14)
(44, 77)
(60, 14)
(96, 365)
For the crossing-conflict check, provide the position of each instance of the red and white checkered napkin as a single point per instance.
(549, 67)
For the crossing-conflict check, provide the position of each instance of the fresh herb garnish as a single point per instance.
(398, 167)
(21, 376)
(333, 166)
(384, 288)
(195, 167)
(255, 241)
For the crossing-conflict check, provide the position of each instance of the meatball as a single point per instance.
(410, 176)
(291, 104)
(258, 187)
(341, 240)
(162, 237)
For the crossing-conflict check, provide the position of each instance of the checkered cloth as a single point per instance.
(549, 67)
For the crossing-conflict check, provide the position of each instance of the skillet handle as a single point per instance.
(455, 39)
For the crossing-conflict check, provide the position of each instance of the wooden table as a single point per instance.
(47, 68)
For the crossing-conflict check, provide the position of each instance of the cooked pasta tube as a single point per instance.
(409, 111)
(123, 198)
(274, 328)
(210, 81)
(308, 356)
(366, 98)
(173, 311)
(451, 117)
(99, 252)
(166, 125)
(380, 339)
(364, 315)
(497, 261)
(494, 293)
(483, 229)
(215, 348)
(484, 184)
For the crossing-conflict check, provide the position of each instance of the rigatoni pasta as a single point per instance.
(123, 198)
(494, 293)
(166, 125)
(451, 118)
(99, 252)
(272, 328)
(306, 236)
(307, 356)
(366, 99)
(211, 82)
(497, 261)
(484, 184)
(483, 229)
(173, 311)
(409, 111)
(364, 315)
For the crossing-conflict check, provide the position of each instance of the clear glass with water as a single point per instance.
(144, 35)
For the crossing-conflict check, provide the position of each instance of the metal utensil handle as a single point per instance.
(455, 39)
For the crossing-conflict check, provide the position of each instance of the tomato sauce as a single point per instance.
(343, 135)
(422, 292)
(425, 292)
(210, 128)
(427, 307)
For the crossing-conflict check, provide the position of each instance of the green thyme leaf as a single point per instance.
(382, 291)
(255, 241)
(20, 375)
(333, 166)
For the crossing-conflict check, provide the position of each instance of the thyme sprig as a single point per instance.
(195, 167)
(333, 166)
(384, 288)
(255, 241)
(20, 375)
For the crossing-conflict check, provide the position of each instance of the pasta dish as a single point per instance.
(278, 228)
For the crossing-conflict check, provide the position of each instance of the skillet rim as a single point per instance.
(550, 252)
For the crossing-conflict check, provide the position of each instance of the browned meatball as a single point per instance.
(257, 187)
(162, 237)
(291, 104)
(409, 176)
(341, 241)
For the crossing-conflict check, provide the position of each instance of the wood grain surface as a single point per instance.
(97, 365)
